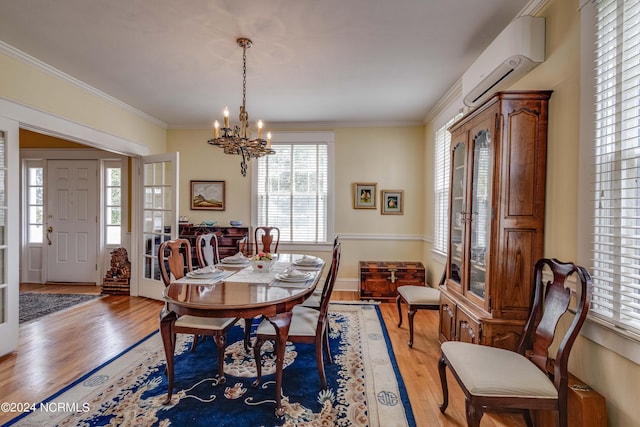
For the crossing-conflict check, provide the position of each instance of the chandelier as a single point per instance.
(235, 140)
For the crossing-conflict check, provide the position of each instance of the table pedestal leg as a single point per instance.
(281, 323)
(167, 321)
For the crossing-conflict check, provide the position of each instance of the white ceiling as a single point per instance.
(312, 61)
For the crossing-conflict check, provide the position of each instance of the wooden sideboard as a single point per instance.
(231, 240)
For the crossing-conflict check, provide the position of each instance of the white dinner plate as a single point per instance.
(193, 275)
(235, 260)
(286, 278)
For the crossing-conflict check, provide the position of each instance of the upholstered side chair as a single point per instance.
(499, 380)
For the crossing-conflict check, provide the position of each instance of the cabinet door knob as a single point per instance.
(392, 278)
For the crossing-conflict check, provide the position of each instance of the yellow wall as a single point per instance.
(389, 156)
(29, 86)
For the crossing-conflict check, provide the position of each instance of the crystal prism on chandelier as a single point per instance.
(235, 140)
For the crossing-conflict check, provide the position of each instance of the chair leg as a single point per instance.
(327, 349)
(247, 334)
(474, 413)
(399, 304)
(442, 369)
(320, 363)
(221, 341)
(257, 346)
(411, 313)
(194, 343)
(527, 418)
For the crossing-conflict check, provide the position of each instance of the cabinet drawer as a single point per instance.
(467, 328)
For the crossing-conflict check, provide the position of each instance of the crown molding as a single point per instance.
(27, 59)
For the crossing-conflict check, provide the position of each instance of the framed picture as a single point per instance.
(364, 195)
(392, 202)
(207, 195)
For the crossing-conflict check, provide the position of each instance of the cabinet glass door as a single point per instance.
(456, 239)
(480, 213)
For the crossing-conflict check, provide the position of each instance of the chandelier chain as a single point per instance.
(244, 77)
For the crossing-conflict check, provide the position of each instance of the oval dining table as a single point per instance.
(261, 295)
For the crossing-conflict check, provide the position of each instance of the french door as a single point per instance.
(159, 219)
(9, 234)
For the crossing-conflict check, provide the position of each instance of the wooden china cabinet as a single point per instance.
(496, 218)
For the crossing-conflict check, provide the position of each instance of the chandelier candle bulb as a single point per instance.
(226, 117)
(259, 129)
(216, 129)
(268, 139)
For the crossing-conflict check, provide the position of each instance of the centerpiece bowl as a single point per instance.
(262, 262)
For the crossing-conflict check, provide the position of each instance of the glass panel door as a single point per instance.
(457, 219)
(480, 213)
(159, 198)
(9, 235)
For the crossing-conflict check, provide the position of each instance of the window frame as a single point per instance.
(597, 329)
(441, 182)
(327, 138)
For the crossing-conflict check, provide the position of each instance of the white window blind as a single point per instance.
(616, 189)
(441, 171)
(292, 191)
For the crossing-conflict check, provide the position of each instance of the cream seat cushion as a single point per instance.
(303, 323)
(495, 372)
(211, 323)
(419, 294)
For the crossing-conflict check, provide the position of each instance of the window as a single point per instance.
(35, 202)
(293, 187)
(615, 188)
(441, 172)
(113, 202)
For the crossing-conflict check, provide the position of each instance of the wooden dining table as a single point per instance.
(241, 294)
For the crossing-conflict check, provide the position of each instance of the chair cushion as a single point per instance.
(419, 294)
(313, 301)
(303, 323)
(211, 323)
(495, 372)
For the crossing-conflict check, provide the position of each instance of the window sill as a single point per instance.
(624, 343)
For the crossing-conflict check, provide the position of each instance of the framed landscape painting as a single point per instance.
(392, 202)
(207, 195)
(364, 195)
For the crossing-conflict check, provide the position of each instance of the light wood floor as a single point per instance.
(63, 346)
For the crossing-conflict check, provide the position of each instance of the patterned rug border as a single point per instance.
(94, 297)
(403, 396)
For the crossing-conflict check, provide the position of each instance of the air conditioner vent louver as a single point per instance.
(517, 50)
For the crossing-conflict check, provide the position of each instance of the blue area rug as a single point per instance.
(364, 384)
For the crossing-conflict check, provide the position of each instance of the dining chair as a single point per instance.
(174, 257)
(417, 298)
(207, 249)
(267, 239)
(314, 300)
(495, 379)
(207, 254)
(308, 326)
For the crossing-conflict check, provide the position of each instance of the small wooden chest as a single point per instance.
(380, 279)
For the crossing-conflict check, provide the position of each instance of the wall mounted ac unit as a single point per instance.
(517, 50)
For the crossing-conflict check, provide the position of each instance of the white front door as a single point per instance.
(72, 221)
(9, 234)
(158, 206)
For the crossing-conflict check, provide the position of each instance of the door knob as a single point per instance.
(49, 230)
